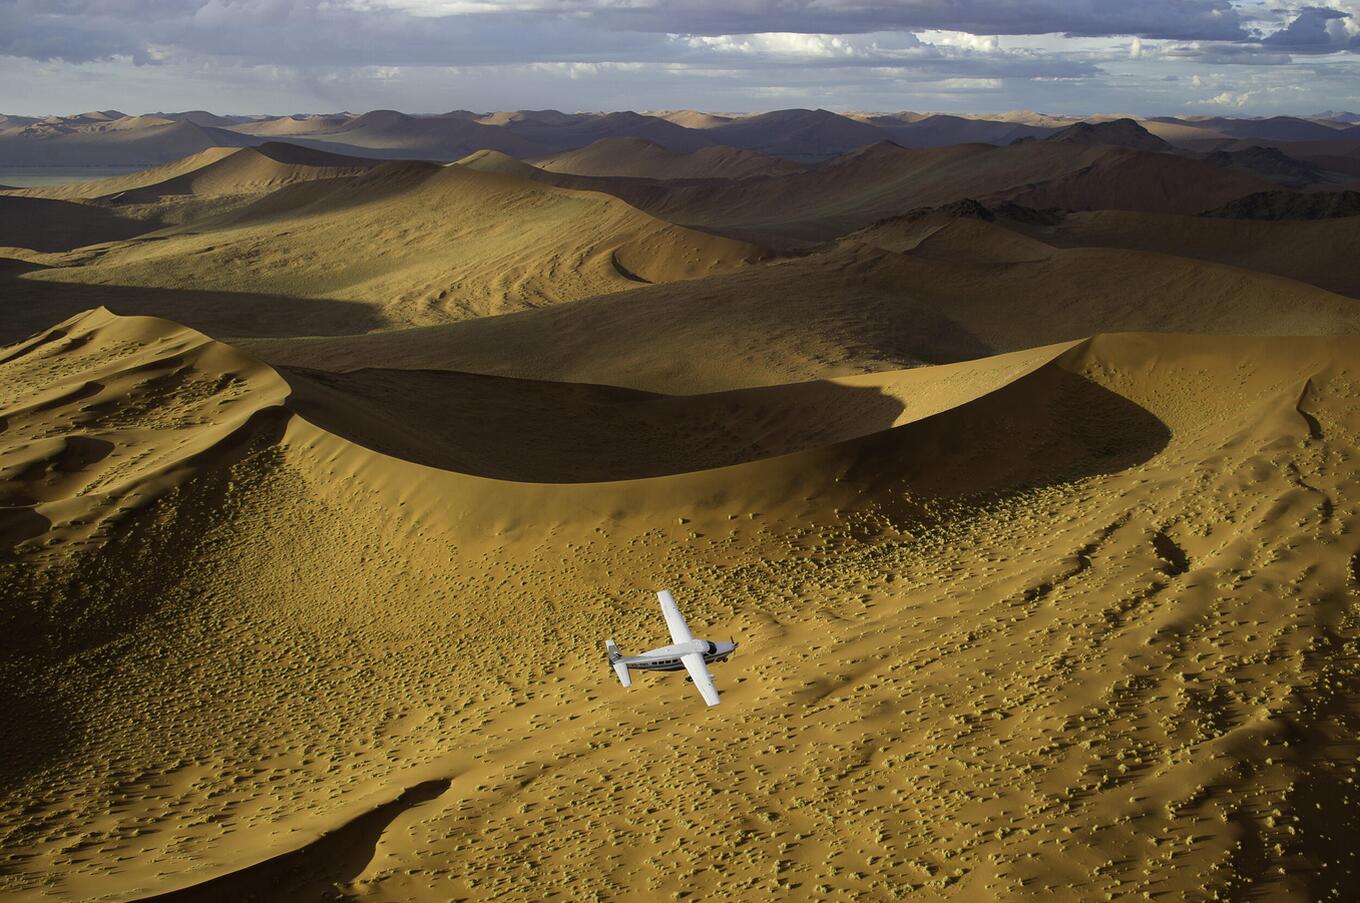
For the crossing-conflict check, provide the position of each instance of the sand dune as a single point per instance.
(494, 161)
(417, 243)
(254, 170)
(214, 172)
(939, 130)
(111, 137)
(935, 290)
(553, 432)
(1119, 132)
(694, 119)
(42, 224)
(636, 158)
(856, 189)
(113, 454)
(1317, 251)
(130, 140)
(197, 187)
(286, 126)
(452, 136)
(96, 188)
(1126, 624)
(797, 133)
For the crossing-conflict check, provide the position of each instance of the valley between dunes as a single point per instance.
(323, 481)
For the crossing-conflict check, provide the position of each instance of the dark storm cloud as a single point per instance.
(1314, 30)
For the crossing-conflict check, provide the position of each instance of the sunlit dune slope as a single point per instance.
(285, 126)
(142, 178)
(215, 171)
(419, 243)
(105, 413)
(637, 158)
(497, 162)
(252, 170)
(1103, 593)
(64, 217)
(926, 291)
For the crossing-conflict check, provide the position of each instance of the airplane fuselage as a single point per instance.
(667, 658)
(685, 653)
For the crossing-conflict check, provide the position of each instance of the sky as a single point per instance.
(1145, 57)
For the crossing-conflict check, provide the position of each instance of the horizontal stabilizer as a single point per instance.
(622, 671)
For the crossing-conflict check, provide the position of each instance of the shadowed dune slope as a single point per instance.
(554, 432)
(930, 291)
(882, 180)
(46, 225)
(129, 140)
(419, 243)
(1320, 252)
(1093, 587)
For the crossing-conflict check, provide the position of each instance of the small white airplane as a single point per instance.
(684, 652)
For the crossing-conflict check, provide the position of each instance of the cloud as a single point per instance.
(1316, 29)
(943, 56)
(1230, 99)
(1086, 54)
(778, 44)
(415, 32)
(1178, 19)
(1210, 54)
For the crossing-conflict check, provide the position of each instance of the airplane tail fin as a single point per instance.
(619, 667)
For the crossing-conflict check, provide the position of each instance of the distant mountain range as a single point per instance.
(110, 137)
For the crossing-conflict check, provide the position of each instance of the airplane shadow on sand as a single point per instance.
(315, 871)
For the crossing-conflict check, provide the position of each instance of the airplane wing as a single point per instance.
(694, 664)
(674, 620)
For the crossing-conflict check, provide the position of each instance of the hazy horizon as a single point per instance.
(650, 111)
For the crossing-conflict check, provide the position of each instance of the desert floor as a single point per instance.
(322, 486)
